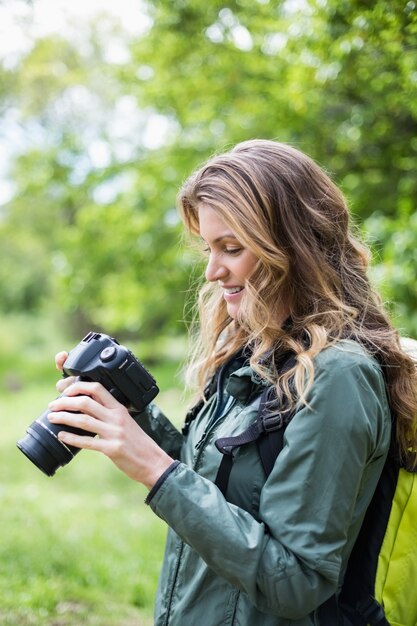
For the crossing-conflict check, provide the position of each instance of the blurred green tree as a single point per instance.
(92, 223)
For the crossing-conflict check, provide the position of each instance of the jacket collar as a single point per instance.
(243, 383)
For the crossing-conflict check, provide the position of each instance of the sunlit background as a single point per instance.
(105, 108)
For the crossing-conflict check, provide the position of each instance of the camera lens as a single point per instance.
(42, 446)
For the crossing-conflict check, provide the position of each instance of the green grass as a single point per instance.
(80, 547)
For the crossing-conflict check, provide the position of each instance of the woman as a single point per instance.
(287, 304)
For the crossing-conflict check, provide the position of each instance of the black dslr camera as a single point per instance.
(97, 358)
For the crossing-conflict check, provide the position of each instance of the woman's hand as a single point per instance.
(89, 406)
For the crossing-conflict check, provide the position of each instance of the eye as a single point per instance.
(233, 251)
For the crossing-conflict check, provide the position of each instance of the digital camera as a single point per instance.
(97, 358)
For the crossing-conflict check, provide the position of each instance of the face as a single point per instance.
(229, 263)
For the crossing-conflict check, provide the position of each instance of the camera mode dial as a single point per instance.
(108, 354)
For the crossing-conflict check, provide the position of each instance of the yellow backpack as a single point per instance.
(380, 587)
(396, 575)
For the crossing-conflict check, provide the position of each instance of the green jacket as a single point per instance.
(276, 548)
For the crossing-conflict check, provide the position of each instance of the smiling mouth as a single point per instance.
(232, 290)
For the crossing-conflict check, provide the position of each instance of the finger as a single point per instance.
(80, 441)
(94, 390)
(86, 442)
(79, 421)
(79, 404)
(60, 359)
(64, 383)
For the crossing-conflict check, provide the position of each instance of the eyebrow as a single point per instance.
(225, 236)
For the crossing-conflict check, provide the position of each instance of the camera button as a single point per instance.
(108, 353)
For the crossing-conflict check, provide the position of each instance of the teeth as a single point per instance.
(233, 290)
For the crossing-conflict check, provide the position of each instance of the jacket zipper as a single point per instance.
(213, 422)
(218, 414)
(177, 567)
(200, 447)
(236, 600)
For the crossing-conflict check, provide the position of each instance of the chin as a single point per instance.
(233, 311)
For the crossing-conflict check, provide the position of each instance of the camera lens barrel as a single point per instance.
(42, 446)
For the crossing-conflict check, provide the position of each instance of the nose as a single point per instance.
(214, 269)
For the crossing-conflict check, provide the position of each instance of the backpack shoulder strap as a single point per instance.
(357, 597)
(268, 433)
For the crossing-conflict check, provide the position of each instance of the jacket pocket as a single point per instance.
(246, 480)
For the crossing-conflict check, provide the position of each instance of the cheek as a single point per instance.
(248, 266)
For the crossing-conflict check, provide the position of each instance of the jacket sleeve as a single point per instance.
(311, 504)
(162, 431)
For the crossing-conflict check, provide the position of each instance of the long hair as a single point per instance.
(311, 267)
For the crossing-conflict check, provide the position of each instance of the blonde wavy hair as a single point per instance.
(284, 208)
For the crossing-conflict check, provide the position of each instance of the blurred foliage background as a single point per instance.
(101, 126)
(101, 119)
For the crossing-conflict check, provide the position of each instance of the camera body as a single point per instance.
(102, 359)
(97, 358)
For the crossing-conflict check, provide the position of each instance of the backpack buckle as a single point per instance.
(271, 423)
